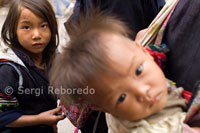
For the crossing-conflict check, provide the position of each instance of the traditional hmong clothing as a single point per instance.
(22, 100)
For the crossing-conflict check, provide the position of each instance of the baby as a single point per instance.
(128, 84)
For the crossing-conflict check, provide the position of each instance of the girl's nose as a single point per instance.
(36, 34)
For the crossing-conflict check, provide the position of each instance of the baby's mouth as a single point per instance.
(155, 99)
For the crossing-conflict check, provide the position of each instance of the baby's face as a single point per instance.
(140, 88)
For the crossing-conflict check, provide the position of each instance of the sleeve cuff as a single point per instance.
(8, 117)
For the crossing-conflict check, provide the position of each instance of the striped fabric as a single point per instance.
(154, 33)
(7, 102)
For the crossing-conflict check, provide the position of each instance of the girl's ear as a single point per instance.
(143, 49)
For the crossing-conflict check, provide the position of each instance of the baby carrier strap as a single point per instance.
(7, 62)
(155, 31)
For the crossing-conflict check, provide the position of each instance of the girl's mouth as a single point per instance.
(37, 45)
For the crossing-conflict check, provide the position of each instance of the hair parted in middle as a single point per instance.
(41, 8)
(84, 58)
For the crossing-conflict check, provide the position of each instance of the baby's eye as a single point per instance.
(121, 98)
(26, 27)
(139, 70)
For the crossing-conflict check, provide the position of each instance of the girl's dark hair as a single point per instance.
(41, 8)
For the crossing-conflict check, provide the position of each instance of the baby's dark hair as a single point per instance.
(84, 60)
(41, 8)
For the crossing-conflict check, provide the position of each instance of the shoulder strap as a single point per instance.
(155, 31)
(7, 62)
(16, 69)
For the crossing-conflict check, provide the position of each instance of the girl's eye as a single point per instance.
(44, 26)
(121, 98)
(139, 70)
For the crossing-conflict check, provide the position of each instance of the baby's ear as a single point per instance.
(140, 35)
(143, 49)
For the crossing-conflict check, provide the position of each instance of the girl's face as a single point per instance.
(33, 32)
(139, 88)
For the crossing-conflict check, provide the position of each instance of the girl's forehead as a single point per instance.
(27, 14)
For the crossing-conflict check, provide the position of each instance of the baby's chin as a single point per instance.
(163, 102)
(157, 108)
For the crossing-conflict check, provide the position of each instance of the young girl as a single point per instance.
(29, 33)
(103, 67)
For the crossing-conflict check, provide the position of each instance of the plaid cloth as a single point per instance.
(158, 53)
(193, 111)
(77, 113)
(194, 108)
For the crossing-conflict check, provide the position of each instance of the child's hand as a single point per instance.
(50, 117)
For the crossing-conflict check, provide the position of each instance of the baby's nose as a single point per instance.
(144, 93)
